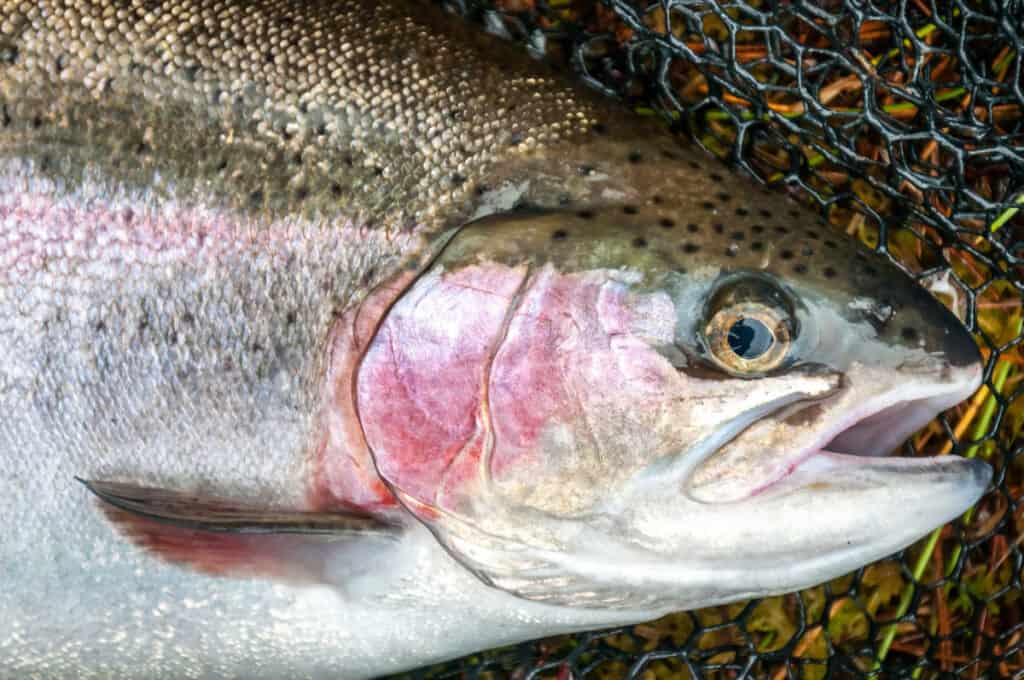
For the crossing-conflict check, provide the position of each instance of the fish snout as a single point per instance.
(921, 322)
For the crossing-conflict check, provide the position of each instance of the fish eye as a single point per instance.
(750, 338)
(749, 330)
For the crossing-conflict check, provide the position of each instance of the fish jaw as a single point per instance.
(824, 515)
(810, 527)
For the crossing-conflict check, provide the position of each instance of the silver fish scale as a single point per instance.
(353, 107)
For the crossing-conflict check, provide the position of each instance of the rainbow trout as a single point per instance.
(337, 338)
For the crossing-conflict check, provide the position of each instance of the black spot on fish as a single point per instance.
(630, 209)
(742, 212)
(767, 214)
(757, 246)
(584, 214)
(635, 157)
(100, 326)
(5, 116)
(794, 213)
(291, 318)
(694, 164)
(639, 242)
(800, 268)
(715, 177)
(707, 205)
(585, 170)
(668, 154)
(781, 229)
(831, 244)
(692, 228)
(786, 254)
(737, 236)
(829, 273)
(335, 190)
(757, 228)
(813, 235)
(718, 228)
(690, 248)
(724, 197)
(656, 199)
(599, 128)
(666, 223)
(908, 333)
(559, 235)
(301, 193)
(806, 251)
(515, 138)
(458, 180)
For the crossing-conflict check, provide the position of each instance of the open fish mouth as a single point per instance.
(867, 435)
(836, 503)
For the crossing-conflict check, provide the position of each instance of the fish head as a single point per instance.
(608, 409)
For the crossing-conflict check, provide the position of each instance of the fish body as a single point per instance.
(418, 346)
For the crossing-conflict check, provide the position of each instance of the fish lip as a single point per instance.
(935, 397)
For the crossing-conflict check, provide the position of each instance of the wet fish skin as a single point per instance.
(191, 197)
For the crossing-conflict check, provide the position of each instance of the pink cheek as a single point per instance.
(458, 386)
(574, 362)
(421, 384)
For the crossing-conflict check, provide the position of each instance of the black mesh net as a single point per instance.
(903, 121)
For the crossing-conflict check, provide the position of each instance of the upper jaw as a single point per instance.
(894, 417)
(865, 419)
(883, 423)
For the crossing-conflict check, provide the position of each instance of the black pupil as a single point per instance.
(749, 338)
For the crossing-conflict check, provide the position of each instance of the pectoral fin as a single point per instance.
(226, 538)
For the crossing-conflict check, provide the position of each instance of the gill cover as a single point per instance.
(554, 383)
